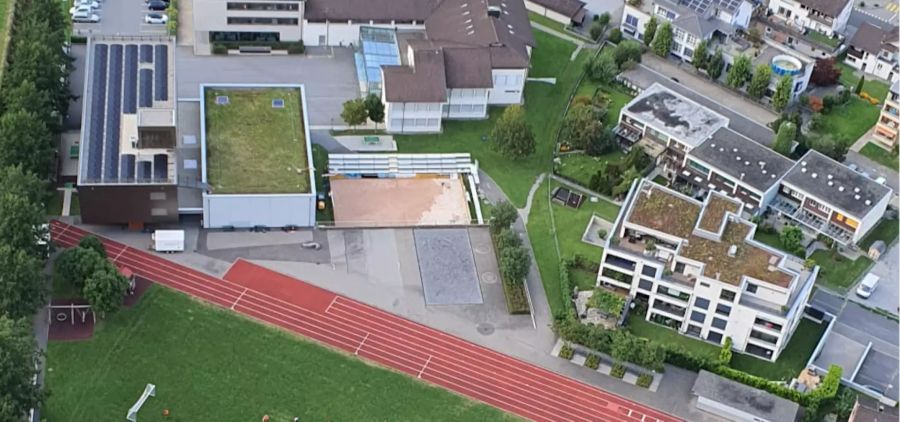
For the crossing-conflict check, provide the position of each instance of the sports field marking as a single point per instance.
(238, 299)
(424, 367)
(330, 304)
(361, 344)
(119, 254)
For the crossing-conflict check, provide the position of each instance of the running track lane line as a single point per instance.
(226, 288)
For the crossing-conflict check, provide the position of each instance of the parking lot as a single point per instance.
(120, 17)
(887, 294)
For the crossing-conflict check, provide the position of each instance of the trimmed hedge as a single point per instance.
(566, 352)
(593, 361)
(617, 371)
(644, 380)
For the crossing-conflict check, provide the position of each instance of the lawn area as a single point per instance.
(850, 121)
(583, 279)
(543, 20)
(570, 225)
(872, 86)
(581, 167)
(886, 230)
(824, 39)
(640, 327)
(544, 105)
(55, 205)
(209, 364)
(617, 94)
(253, 147)
(792, 360)
(837, 272)
(880, 156)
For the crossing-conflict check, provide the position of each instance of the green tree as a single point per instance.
(602, 68)
(762, 75)
(782, 96)
(503, 216)
(14, 181)
(514, 264)
(354, 112)
(19, 358)
(581, 127)
(625, 184)
(623, 346)
(715, 65)
(93, 242)
(859, 85)
(650, 30)
(508, 239)
(27, 98)
(739, 72)
(73, 266)
(628, 50)
(22, 224)
(662, 42)
(787, 132)
(701, 55)
(792, 240)
(511, 135)
(25, 140)
(829, 145)
(597, 30)
(374, 109)
(105, 289)
(22, 284)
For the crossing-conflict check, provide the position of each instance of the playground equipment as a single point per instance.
(149, 390)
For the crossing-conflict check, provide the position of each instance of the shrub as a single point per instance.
(725, 353)
(762, 384)
(218, 48)
(615, 36)
(602, 234)
(593, 361)
(607, 302)
(617, 371)
(644, 380)
(566, 352)
(678, 356)
(78, 39)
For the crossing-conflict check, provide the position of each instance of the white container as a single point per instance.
(167, 241)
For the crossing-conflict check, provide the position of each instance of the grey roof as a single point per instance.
(744, 398)
(836, 184)
(366, 10)
(831, 8)
(567, 8)
(869, 38)
(743, 159)
(424, 83)
(673, 113)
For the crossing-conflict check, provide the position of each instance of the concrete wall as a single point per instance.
(123, 204)
(413, 117)
(509, 86)
(726, 411)
(543, 11)
(252, 210)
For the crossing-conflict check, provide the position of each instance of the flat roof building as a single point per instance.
(738, 402)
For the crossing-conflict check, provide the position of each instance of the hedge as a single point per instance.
(566, 352)
(296, 47)
(644, 380)
(593, 361)
(617, 371)
(725, 353)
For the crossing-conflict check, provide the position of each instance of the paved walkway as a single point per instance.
(354, 327)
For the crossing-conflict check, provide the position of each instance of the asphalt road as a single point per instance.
(887, 294)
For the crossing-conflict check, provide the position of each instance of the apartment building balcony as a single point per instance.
(767, 326)
(680, 279)
(639, 247)
(626, 134)
(758, 304)
(763, 339)
(672, 311)
(823, 19)
(620, 263)
(838, 233)
(673, 296)
(784, 205)
(759, 351)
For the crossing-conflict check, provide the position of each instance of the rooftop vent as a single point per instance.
(738, 158)
(734, 150)
(721, 149)
(830, 183)
(773, 176)
(856, 190)
(746, 163)
(464, 5)
(830, 177)
(856, 197)
(814, 175)
(803, 170)
(868, 202)
(742, 175)
(222, 100)
(803, 163)
(840, 188)
(712, 145)
(762, 164)
(493, 11)
(278, 103)
(732, 251)
(764, 171)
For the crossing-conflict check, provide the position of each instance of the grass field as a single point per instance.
(618, 97)
(543, 20)
(792, 360)
(570, 225)
(850, 121)
(824, 39)
(544, 105)
(55, 205)
(659, 334)
(880, 156)
(838, 272)
(253, 147)
(581, 167)
(872, 86)
(212, 365)
(887, 230)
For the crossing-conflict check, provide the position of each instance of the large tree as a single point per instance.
(27, 98)
(602, 68)
(701, 55)
(662, 42)
(511, 135)
(17, 182)
(22, 284)
(783, 90)
(581, 127)
(825, 73)
(93, 242)
(715, 65)
(375, 109)
(785, 138)
(791, 238)
(19, 358)
(762, 75)
(650, 30)
(503, 216)
(739, 72)
(628, 51)
(105, 290)
(514, 264)
(354, 112)
(22, 224)
(25, 140)
(73, 266)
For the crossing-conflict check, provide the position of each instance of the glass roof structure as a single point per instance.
(378, 47)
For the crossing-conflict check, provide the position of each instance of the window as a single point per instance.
(714, 337)
(697, 166)
(688, 52)
(723, 309)
(262, 6)
(159, 212)
(631, 21)
(396, 123)
(694, 330)
(645, 285)
(727, 295)
(190, 164)
(157, 196)
(701, 303)
(261, 21)
(704, 284)
(719, 323)
(649, 271)
(698, 317)
(751, 288)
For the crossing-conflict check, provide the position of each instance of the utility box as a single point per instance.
(168, 241)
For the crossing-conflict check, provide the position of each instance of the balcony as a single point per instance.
(763, 337)
(810, 220)
(638, 246)
(674, 295)
(627, 134)
(619, 262)
(677, 311)
(785, 205)
(767, 325)
(758, 304)
(838, 233)
(758, 351)
(680, 279)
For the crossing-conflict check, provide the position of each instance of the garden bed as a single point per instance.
(604, 364)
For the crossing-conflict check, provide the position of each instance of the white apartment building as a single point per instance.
(828, 17)
(697, 268)
(888, 124)
(692, 21)
(873, 50)
(824, 196)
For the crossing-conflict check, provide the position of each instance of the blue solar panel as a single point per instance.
(126, 174)
(129, 94)
(98, 94)
(161, 92)
(146, 53)
(160, 167)
(146, 88)
(113, 115)
(144, 171)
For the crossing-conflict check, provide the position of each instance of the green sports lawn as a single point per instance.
(209, 364)
(253, 147)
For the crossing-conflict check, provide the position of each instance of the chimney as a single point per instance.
(493, 11)
(762, 165)
(732, 251)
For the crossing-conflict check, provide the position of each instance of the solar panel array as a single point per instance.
(98, 113)
(129, 105)
(127, 172)
(113, 115)
(161, 83)
(146, 88)
(146, 53)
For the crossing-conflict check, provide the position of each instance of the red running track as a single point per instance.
(419, 351)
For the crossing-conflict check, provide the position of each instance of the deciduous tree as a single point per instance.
(375, 109)
(22, 284)
(19, 358)
(762, 75)
(581, 127)
(503, 216)
(511, 135)
(25, 140)
(628, 50)
(782, 96)
(602, 68)
(825, 73)
(354, 112)
(93, 243)
(514, 264)
(73, 266)
(739, 72)
(792, 240)
(105, 289)
(662, 42)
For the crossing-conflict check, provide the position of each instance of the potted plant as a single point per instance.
(650, 248)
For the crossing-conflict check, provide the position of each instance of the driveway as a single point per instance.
(329, 80)
(887, 294)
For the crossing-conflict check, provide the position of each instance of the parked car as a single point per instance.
(867, 286)
(85, 17)
(81, 9)
(91, 3)
(157, 5)
(156, 18)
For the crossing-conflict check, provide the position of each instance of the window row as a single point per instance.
(262, 21)
(263, 6)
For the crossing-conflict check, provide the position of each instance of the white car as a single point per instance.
(158, 18)
(91, 3)
(81, 9)
(86, 17)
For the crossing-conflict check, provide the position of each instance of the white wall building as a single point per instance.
(696, 266)
(873, 50)
(826, 16)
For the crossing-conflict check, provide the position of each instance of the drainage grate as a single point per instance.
(278, 103)
(222, 100)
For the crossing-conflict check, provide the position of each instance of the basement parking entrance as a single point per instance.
(447, 267)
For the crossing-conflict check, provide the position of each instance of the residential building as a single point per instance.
(868, 410)
(824, 196)
(697, 268)
(827, 17)
(692, 21)
(734, 401)
(127, 170)
(567, 12)
(873, 50)
(888, 125)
